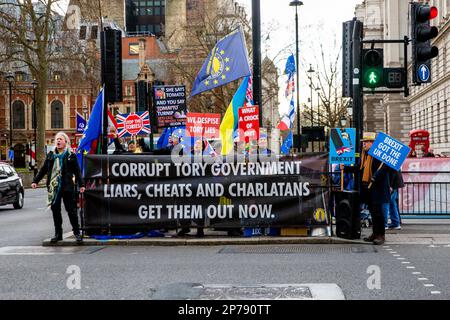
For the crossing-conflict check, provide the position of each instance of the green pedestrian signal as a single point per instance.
(373, 68)
(372, 78)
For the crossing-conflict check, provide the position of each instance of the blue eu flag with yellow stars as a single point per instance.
(228, 61)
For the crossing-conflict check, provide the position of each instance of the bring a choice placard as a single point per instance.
(389, 151)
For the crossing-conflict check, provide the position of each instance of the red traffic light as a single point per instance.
(433, 12)
(425, 13)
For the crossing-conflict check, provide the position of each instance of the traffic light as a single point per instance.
(421, 35)
(373, 68)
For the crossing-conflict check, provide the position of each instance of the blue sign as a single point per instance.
(389, 151)
(342, 146)
(423, 73)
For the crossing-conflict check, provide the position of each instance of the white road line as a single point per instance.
(422, 279)
(400, 258)
(435, 292)
(397, 255)
(405, 262)
(393, 252)
(429, 285)
(410, 267)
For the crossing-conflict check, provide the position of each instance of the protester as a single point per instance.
(61, 167)
(397, 183)
(429, 154)
(368, 167)
(263, 145)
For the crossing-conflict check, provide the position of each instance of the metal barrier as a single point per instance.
(426, 194)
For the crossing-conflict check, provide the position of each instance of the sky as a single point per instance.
(320, 21)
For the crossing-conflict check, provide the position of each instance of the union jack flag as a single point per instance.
(290, 88)
(124, 131)
(249, 93)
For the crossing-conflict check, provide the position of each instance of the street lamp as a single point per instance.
(318, 110)
(343, 121)
(311, 71)
(296, 4)
(10, 79)
(34, 83)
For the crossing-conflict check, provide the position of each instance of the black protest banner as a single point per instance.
(143, 191)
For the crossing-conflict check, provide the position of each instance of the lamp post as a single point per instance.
(34, 83)
(10, 79)
(343, 121)
(318, 110)
(296, 4)
(311, 71)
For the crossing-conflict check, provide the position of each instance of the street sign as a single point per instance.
(423, 73)
(342, 146)
(389, 151)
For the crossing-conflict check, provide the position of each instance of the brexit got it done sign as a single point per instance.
(389, 151)
(342, 146)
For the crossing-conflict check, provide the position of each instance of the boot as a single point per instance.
(183, 232)
(370, 238)
(79, 238)
(57, 237)
(200, 233)
(379, 240)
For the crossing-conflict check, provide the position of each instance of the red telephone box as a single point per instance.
(419, 140)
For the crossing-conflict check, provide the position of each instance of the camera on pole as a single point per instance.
(422, 33)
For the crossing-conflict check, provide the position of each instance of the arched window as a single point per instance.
(18, 115)
(57, 114)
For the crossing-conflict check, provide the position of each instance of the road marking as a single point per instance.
(422, 279)
(400, 258)
(433, 246)
(410, 267)
(405, 262)
(393, 252)
(429, 285)
(435, 292)
(397, 255)
(416, 272)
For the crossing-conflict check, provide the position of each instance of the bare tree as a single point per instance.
(32, 39)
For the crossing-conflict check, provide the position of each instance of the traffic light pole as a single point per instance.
(358, 111)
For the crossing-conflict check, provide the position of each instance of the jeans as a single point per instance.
(393, 211)
(385, 208)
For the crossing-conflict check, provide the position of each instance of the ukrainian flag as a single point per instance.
(230, 121)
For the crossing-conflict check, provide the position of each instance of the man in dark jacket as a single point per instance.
(396, 184)
(61, 166)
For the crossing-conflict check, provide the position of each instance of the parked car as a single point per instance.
(11, 187)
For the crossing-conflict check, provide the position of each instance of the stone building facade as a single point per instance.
(427, 106)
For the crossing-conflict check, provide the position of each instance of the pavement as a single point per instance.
(412, 232)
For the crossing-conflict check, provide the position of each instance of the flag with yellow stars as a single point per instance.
(227, 61)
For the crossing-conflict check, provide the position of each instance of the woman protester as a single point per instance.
(60, 167)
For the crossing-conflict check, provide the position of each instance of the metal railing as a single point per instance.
(425, 194)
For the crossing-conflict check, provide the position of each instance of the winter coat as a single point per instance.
(381, 185)
(397, 180)
(70, 169)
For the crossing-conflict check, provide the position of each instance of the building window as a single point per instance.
(57, 76)
(144, 16)
(83, 33)
(94, 32)
(20, 76)
(57, 114)
(18, 114)
(133, 49)
(128, 92)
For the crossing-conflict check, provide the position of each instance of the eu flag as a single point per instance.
(290, 65)
(228, 61)
(93, 129)
(287, 144)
